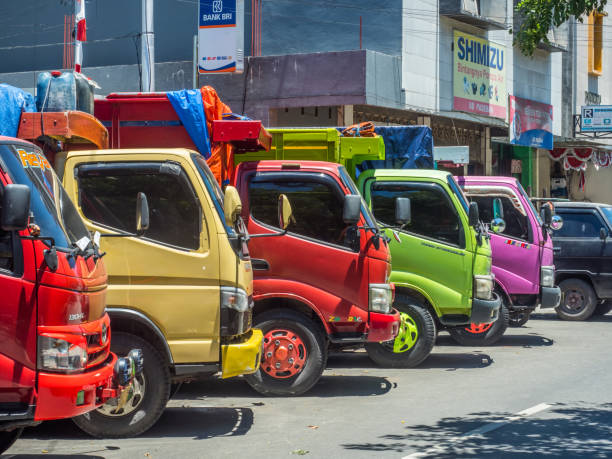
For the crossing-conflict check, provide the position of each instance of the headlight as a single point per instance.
(381, 298)
(483, 287)
(547, 276)
(236, 313)
(57, 354)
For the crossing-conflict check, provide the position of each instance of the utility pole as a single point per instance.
(147, 48)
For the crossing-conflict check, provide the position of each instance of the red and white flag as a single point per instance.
(81, 25)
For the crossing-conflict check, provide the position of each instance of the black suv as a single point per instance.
(583, 259)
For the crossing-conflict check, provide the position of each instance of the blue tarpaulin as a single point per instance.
(406, 147)
(189, 107)
(13, 101)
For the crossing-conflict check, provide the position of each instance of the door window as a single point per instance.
(107, 194)
(317, 207)
(517, 222)
(432, 213)
(579, 224)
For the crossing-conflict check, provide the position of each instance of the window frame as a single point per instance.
(429, 186)
(313, 177)
(154, 167)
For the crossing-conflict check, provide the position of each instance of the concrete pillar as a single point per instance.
(345, 115)
(424, 120)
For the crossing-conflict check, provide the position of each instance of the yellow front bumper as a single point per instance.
(242, 358)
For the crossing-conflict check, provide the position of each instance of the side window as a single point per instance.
(517, 222)
(433, 215)
(579, 224)
(6, 245)
(107, 196)
(317, 208)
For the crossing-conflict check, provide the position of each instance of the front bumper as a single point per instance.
(550, 297)
(242, 358)
(383, 327)
(58, 392)
(485, 311)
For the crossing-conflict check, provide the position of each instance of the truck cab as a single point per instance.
(182, 292)
(522, 249)
(325, 280)
(56, 360)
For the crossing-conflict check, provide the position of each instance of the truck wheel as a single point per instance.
(294, 354)
(7, 438)
(482, 334)
(519, 318)
(414, 341)
(147, 398)
(578, 300)
(603, 308)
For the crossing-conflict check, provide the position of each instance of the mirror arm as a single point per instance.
(280, 233)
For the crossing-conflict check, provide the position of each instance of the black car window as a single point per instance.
(317, 208)
(517, 223)
(432, 214)
(579, 224)
(107, 196)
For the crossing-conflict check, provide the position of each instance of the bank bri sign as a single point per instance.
(479, 76)
(220, 36)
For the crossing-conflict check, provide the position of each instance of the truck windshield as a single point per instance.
(458, 192)
(365, 210)
(52, 210)
(529, 203)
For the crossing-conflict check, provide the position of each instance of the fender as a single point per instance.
(137, 316)
(418, 289)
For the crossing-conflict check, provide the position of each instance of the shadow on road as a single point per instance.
(189, 422)
(50, 456)
(561, 431)
(526, 340)
(440, 360)
(553, 316)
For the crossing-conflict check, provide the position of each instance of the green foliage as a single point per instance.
(539, 16)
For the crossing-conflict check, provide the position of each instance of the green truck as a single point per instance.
(441, 260)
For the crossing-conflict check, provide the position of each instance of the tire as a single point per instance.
(519, 318)
(489, 334)
(310, 352)
(415, 339)
(7, 438)
(603, 308)
(578, 300)
(141, 411)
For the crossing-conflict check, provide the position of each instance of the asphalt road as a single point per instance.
(542, 391)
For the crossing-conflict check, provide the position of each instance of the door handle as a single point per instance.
(556, 250)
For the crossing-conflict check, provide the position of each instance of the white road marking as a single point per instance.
(481, 430)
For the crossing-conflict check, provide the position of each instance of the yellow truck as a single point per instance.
(182, 292)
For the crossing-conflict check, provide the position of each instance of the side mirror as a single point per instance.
(285, 212)
(556, 222)
(498, 209)
(546, 214)
(498, 225)
(402, 211)
(232, 206)
(15, 207)
(473, 214)
(142, 213)
(351, 211)
(603, 233)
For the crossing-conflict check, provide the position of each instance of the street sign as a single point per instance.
(596, 118)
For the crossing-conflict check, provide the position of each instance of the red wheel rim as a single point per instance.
(478, 328)
(284, 354)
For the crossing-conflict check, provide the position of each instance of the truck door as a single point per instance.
(171, 274)
(316, 251)
(578, 247)
(433, 244)
(516, 252)
(17, 326)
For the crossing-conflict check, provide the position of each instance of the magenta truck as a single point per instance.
(522, 247)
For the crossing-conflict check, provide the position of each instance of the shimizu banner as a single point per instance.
(221, 36)
(479, 76)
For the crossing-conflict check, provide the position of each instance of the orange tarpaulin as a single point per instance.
(221, 161)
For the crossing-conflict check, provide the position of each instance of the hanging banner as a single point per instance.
(596, 118)
(479, 76)
(221, 36)
(530, 123)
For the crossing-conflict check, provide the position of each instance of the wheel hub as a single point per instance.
(129, 400)
(478, 328)
(284, 354)
(407, 336)
(574, 301)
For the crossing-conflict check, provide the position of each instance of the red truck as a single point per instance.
(55, 360)
(322, 283)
